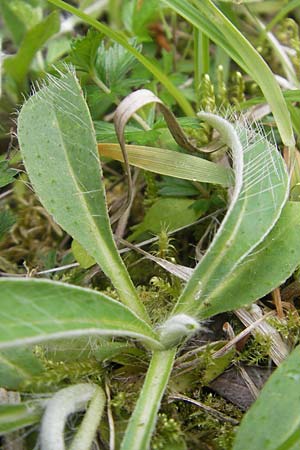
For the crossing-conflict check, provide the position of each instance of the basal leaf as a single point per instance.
(35, 310)
(58, 144)
(261, 188)
(273, 422)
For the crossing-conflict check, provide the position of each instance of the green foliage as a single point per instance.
(168, 213)
(6, 173)
(255, 249)
(17, 366)
(261, 179)
(20, 16)
(275, 414)
(7, 220)
(84, 51)
(17, 66)
(15, 417)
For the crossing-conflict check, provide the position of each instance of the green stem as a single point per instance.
(121, 39)
(142, 422)
(201, 58)
(88, 427)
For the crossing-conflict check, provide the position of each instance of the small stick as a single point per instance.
(240, 336)
(278, 302)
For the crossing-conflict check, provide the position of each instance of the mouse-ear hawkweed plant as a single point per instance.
(59, 148)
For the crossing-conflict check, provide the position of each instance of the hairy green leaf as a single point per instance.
(35, 310)
(58, 144)
(268, 266)
(261, 188)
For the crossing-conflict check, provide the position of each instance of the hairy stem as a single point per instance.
(68, 401)
(143, 419)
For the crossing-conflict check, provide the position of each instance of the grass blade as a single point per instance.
(17, 66)
(35, 310)
(170, 163)
(15, 417)
(59, 148)
(209, 19)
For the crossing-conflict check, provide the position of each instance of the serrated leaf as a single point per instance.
(15, 417)
(35, 310)
(275, 416)
(260, 192)
(18, 65)
(113, 64)
(60, 153)
(84, 50)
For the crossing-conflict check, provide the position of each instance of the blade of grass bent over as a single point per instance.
(261, 189)
(59, 148)
(125, 110)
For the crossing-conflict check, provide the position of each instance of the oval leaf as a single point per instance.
(35, 310)
(59, 147)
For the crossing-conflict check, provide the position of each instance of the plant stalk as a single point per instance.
(142, 422)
